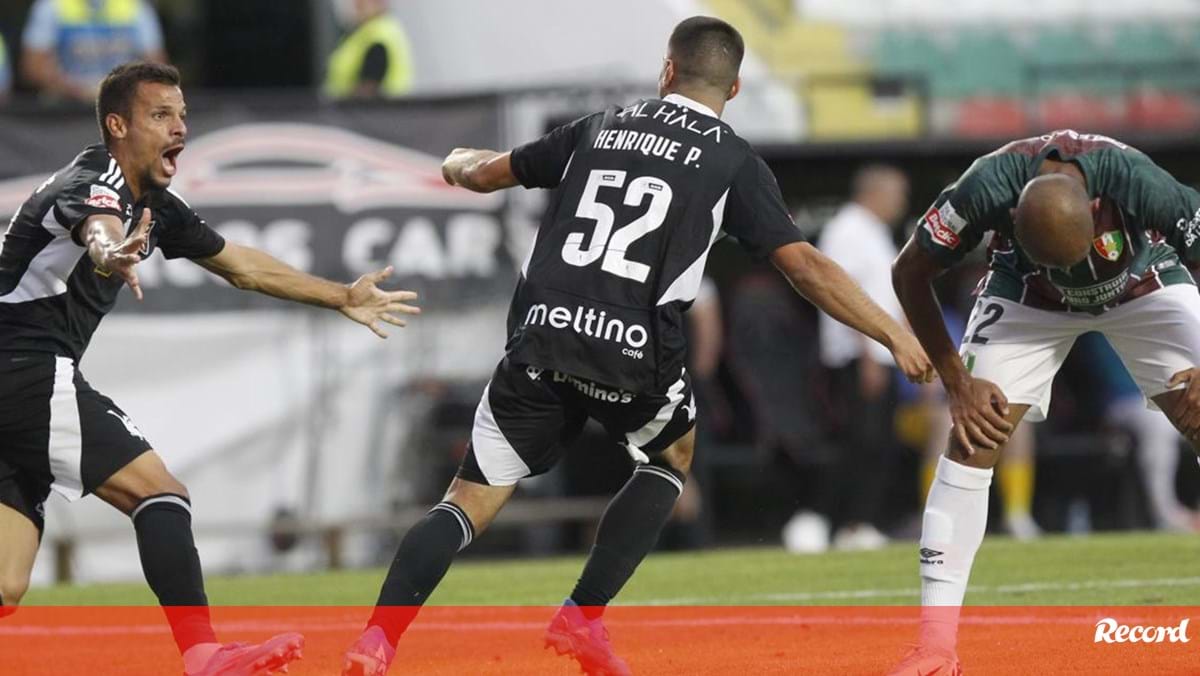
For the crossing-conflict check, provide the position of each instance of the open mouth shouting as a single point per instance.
(170, 159)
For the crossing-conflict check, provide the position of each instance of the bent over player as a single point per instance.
(68, 251)
(1089, 235)
(638, 195)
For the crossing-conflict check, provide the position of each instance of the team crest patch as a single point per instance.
(1110, 245)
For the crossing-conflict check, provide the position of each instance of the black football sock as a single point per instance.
(422, 560)
(163, 524)
(627, 532)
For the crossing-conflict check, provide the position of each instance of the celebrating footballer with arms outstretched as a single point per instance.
(1088, 235)
(64, 258)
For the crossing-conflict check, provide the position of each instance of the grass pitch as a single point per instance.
(1108, 569)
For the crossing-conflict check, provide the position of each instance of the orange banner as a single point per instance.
(132, 641)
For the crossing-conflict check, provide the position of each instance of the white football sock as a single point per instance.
(952, 530)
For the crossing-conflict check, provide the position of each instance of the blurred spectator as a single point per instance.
(70, 45)
(862, 374)
(5, 71)
(1157, 439)
(373, 60)
(772, 351)
(1015, 475)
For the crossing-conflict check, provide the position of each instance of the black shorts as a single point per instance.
(527, 417)
(57, 433)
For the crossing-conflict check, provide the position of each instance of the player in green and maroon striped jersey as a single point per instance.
(1088, 234)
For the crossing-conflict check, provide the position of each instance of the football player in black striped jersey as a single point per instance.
(639, 193)
(64, 258)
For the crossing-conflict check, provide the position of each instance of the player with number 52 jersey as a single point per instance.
(638, 194)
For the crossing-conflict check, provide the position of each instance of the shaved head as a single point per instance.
(706, 52)
(1053, 221)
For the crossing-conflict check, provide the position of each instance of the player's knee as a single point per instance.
(981, 458)
(477, 503)
(12, 590)
(164, 484)
(159, 480)
(177, 488)
(678, 455)
(680, 461)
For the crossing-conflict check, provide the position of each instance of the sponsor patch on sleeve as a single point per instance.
(940, 223)
(1190, 229)
(950, 217)
(102, 197)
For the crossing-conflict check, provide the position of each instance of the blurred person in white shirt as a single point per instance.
(860, 238)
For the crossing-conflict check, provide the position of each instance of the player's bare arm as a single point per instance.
(363, 301)
(114, 252)
(827, 285)
(978, 407)
(479, 170)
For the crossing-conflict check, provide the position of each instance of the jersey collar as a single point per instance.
(681, 100)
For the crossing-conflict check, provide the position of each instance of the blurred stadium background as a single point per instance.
(306, 443)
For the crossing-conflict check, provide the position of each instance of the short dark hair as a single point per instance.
(706, 51)
(121, 84)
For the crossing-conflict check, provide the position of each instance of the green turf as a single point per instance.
(1117, 569)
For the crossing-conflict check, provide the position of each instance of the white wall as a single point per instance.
(479, 45)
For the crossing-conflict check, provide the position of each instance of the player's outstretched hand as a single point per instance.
(912, 361)
(1186, 415)
(124, 257)
(979, 409)
(369, 305)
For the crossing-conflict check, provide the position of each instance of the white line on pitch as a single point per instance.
(1022, 588)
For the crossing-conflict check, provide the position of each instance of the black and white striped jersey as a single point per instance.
(52, 297)
(640, 194)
